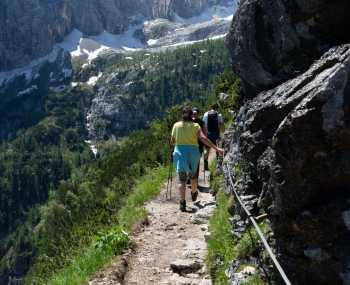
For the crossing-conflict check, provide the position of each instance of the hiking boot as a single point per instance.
(206, 165)
(194, 196)
(183, 206)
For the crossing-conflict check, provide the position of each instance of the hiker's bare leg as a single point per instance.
(217, 143)
(194, 185)
(182, 190)
(206, 156)
(207, 152)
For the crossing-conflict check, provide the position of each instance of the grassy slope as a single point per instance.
(93, 258)
(223, 247)
(221, 242)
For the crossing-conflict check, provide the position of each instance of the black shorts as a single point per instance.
(213, 137)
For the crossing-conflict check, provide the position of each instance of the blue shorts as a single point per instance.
(186, 159)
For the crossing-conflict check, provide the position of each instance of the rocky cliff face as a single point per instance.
(22, 91)
(272, 41)
(31, 28)
(291, 143)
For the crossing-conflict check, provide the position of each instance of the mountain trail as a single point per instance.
(171, 249)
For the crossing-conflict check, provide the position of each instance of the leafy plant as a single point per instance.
(115, 239)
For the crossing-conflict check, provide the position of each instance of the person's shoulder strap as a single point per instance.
(212, 115)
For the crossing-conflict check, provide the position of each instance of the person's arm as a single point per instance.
(172, 136)
(205, 130)
(207, 142)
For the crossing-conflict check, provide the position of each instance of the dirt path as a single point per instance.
(172, 248)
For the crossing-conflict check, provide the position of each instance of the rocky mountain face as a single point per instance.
(291, 139)
(30, 67)
(132, 90)
(23, 91)
(30, 29)
(272, 41)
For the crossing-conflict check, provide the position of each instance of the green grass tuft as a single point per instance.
(248, 244)
(254, 280)
(147, 188)
(221, 242)
(223, 247)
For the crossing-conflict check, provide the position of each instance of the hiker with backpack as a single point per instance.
(186, 155)
(214, 124)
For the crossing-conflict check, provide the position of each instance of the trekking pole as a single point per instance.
(167, 186)
(204, 169)
(170, 179)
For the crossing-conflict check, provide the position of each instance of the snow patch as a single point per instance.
(152, 42)
(92, 146)
(93, 79)
(124, 41)
(89, 48)
(129, 83)
(28, 90)
(28, 71)
(193, 42)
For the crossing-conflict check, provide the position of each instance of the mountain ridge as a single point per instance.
(32, 28)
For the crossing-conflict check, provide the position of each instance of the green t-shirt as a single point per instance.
(185, 133)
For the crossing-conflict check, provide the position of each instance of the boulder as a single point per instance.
(203, 215)
(185, 266)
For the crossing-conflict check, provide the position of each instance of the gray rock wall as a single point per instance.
(272, 41)
(292, 142)
(29, 29)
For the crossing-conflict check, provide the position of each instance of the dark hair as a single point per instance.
(215, 106)
(187, 114)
